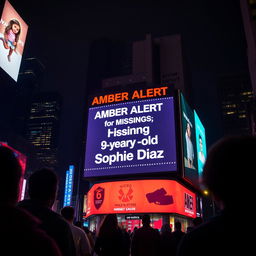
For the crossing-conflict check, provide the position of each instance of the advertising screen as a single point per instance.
(69, 186)
(141, 196)
(189, 142)
(13, 32)
(131, 137)
(23, 162)
(200, 144)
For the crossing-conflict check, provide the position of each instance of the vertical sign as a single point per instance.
(69, 186)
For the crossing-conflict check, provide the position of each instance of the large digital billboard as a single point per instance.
(141, 196)
(131, 137)
(189, 142)
(13, 32)
(200, 144)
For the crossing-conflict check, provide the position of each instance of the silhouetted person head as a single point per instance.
(166, 229)
(108, 225)
(177, 226)
(229, 169)
(43, 186)
(10, 176)
(146, 220)
(68, 213)
(197, 221)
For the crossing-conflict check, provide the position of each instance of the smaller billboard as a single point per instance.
(141, 196)
(13, 32)
(189, 142)
(69, 186)
(200, 144)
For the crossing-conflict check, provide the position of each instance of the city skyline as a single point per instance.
(60, 36)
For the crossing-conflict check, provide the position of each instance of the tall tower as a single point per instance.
(236, 94)
(42, 126)
(155, 61)
(248, 9)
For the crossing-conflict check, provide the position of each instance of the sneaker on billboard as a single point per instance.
(159, 197)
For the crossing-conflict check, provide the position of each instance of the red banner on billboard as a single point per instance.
(141, 196)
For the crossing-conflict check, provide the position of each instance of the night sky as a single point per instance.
(60, 33)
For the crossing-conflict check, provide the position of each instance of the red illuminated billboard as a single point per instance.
(23, 161)
(141, 196)
(13, 32)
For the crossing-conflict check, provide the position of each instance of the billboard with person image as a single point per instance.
(189, 142)
(200, 144)
(13, 32)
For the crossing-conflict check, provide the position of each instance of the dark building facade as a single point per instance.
(235, 94)
(42, 126)
(147, 62)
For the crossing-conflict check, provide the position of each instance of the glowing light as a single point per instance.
(206, 192)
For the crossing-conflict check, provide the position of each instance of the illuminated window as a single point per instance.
(230, 112)
(229, 106)
(246, 93)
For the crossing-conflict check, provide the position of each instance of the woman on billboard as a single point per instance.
(190, 150)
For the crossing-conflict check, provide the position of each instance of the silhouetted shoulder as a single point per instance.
(218, 236)
(53, 224)
(42, 213)
(26, 237)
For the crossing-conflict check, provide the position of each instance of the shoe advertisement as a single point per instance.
(141, 196)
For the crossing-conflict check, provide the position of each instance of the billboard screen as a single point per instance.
(69, 186)
(141, 196)
(23, 162)
(131, 137)
(189, 142)
(13, 32)
(200, 144)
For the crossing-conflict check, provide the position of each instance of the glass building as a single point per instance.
(42, 126)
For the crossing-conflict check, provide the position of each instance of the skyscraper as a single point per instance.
(154, 61)
(42, 126)
(248, 9)
(235, 93)
(147, 62)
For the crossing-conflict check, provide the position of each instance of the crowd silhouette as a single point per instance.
(21, 232)
(81, 240)
(42, 190)
(228, 176)
(31, 227)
